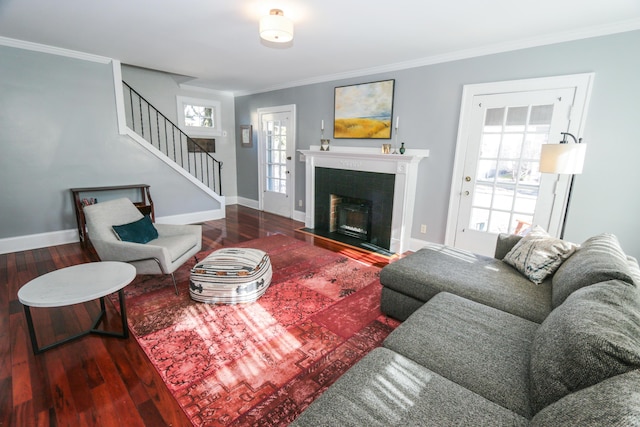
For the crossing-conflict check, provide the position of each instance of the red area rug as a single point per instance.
(261, 363)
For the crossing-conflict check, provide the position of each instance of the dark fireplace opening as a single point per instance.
(366, 196)
(351, 217)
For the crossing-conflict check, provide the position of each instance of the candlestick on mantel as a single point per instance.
(397, 122)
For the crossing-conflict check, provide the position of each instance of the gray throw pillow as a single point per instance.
(598, 259)
(592, 336)
(538, 255)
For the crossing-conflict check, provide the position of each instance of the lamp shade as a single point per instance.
(276, 28)
(562, 158)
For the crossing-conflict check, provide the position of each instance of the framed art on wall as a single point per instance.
(364, 111)
(204, 144)
(246, 137)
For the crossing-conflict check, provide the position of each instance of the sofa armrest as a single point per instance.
(504, 244)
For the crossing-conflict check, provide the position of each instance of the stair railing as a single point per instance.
(155, 128)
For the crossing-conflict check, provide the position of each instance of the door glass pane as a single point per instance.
(511, 146)
(490, 145)
(494, 119)
(276, 168)
(516, 119)
(526, 200)
(503, 198)
(479, 219)
(482, 196)
(486, 170)
(507, 173)
(499, 222)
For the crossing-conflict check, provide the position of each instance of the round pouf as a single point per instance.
(231, 276)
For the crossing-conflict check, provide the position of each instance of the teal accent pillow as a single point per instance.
(140, 231)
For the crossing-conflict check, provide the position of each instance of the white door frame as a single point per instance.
(291, 109)
(582, 84)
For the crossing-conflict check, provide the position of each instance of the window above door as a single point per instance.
(199, 117)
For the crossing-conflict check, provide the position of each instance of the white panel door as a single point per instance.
(502, 190)
(277, 151)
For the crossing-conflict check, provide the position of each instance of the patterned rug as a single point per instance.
(261, 363)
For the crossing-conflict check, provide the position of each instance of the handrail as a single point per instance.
(178, 146)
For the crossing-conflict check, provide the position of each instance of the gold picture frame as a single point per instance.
(246, 136)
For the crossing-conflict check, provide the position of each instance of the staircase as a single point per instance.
(164, 135)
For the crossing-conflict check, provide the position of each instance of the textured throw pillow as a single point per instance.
(538, 255)
(599, 258)
(140, 231)
(592, 336)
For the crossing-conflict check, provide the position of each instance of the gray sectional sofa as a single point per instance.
(482, 345)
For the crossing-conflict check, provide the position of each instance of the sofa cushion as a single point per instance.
(504, 243)
(439, 268)
(538, 255)
(592, 336)
(598, 259)
(612, 402)
(481, 348)
(387, 389)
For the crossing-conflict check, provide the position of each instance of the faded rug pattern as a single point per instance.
(261, 363)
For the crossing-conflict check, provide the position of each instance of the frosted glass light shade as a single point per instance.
(276, 28)
(562, 158)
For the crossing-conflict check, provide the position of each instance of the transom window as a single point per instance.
(199, 117)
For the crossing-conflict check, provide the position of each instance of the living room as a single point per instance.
(426, 97)
(77, 141)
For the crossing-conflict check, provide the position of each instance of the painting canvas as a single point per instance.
(364, 111)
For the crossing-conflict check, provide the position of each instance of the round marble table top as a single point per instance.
(77, 284)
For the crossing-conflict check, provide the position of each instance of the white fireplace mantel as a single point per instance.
(403, 166)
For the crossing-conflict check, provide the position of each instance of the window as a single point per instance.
(200, 117)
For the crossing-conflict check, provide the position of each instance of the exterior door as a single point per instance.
(277, 150)
(503, 190)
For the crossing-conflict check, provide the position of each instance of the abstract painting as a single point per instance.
(364, 111)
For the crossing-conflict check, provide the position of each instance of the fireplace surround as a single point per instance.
(342, 167)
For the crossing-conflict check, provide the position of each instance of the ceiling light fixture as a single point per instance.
(276, 28)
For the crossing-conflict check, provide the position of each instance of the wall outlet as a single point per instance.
(300, 202)
(423, 228)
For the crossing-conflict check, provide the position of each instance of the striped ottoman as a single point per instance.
(231, 276)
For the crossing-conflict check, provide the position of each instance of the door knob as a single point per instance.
(288, 157)
(467, 178)
(466, 193)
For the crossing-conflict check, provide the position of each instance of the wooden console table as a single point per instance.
(144, 204)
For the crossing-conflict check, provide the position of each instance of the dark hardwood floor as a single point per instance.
(99, 381)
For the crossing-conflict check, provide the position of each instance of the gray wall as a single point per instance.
(428, 101)
(161, 89)
(59, 131)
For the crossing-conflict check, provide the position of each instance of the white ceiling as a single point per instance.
(216, 42)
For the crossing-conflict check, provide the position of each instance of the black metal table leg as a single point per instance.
(92, 330)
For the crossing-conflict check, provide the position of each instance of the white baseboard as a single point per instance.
(40, 240)
(417, 244)
(192, 218)
(299, 215)
(63, 237)
(250, 203)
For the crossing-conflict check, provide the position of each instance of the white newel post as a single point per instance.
(403, 166)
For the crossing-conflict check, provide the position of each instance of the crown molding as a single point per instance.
(567, 36)
(36, 47)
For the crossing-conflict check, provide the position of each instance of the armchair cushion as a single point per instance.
(140, 231)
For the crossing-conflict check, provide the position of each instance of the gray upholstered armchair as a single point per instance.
(174, 245)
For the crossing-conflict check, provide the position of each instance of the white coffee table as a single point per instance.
(77, 284)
